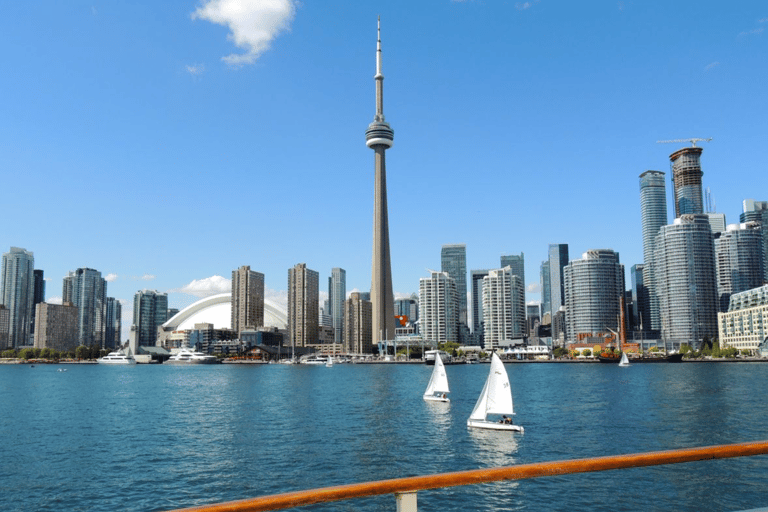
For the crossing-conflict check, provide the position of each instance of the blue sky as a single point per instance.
(167, 143)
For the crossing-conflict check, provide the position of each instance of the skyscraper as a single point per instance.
(546, 291)
(337, 295)
(653, 215)
(247, 300)
(39, 295)
(453, 260)
(357, 325)
(379, 137)
(503, 307)
(738, 260)
(303, 305)
(113, 324)
(558, 259)
(58, 326)
(594, 285)
(757, 211)
(641, 300)
(438, 306)
(150, 311)
(684, 271)
(476, 279)
(517, 264)
(686, 177)
(17, 294)
(86, 289)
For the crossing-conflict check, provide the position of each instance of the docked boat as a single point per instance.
(429, 356)
(188, 356)
(314, 359)
(117, 357)
(495, 401)
(437, 388)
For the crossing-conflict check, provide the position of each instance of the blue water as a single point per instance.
(152, 437)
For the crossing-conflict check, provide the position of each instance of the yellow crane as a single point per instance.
(693, 141)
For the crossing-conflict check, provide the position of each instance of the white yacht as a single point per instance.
(117, 357)
(187, 356)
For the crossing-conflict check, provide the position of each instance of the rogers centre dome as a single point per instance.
(217, 310)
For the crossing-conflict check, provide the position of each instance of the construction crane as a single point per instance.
(693, 141)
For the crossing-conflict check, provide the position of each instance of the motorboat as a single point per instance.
(429, 356)
(188, 356)
(314, 359)
(118, 357)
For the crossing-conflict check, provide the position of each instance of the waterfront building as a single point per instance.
(17, 294)
(113, 324)
(5, 326)
(337, 295)
(303, 305)
(358, 338)
(653, 215)
(558, 259)
(247, 300)
(86, 289)
(757, 211)
(439, 308)
(503, 308)
(58, 326)
(453, 261)
(716, 222)
(39, 295)
(686, 178)
(684, 267)
(594, 285)
(545, 284)
(641, 298)
(476, 279)
(738, 260)
(150, 311)
(745, 324)
(379, 136)
(408, 307)
(532, 318)
(517, 264)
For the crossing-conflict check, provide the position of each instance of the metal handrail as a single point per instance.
(478, 476)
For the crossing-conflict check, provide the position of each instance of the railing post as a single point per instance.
(406, 501)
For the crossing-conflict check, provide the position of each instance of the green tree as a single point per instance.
(46, 353)
(82, 352)
(586, 352)
(560, 352)
(27, 353)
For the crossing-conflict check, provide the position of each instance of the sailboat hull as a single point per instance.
(493, 425)
(436, 398)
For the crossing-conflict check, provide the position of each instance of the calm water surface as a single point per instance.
(153, 437)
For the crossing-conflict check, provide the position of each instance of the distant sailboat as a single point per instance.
(495, 399)
(437, 389)
(624, 359)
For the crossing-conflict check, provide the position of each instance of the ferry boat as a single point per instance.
(117, 357)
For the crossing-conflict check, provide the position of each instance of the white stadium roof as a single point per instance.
(217, 310)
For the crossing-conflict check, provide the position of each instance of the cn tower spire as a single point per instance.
(379, 137)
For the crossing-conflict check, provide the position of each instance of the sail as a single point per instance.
(496, 397)
(624, 360)
(438, 381)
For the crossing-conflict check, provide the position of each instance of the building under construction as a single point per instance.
(686, 178)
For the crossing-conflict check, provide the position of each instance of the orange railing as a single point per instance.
(405, 489)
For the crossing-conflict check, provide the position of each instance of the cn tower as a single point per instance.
(379, 137)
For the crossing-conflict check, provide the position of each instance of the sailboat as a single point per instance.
(495, 399)
(624, 359)
(437, 389)
(329, 361)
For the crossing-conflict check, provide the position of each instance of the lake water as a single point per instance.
(153, 437)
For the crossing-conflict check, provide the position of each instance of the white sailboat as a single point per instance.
(495, 399)
(437, 389)
(624, 359)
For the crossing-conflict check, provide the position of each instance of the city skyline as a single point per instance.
(176, 146)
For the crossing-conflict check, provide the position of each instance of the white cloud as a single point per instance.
(711, 65)
(196, 69)
(279, 297)
(754, 31)
(147, 277)
(253, 24)
(534, 288)
(523, 6)
(206, 287)
(54, 300)
(110, 278)
(763, 20)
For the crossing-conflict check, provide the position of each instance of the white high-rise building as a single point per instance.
(685, 282)
(653, 215)
(438, 308)
(594, 285)
(17, 294)
(739, 261)
(503, 307)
